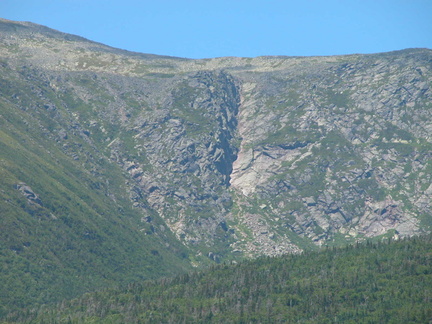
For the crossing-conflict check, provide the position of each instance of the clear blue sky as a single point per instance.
(204, 29)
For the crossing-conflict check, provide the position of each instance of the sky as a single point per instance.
(206, 29)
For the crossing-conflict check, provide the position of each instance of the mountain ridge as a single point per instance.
(189, 162)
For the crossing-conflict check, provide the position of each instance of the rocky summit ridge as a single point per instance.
(236, 157)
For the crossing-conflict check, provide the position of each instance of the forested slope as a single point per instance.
(384, 282)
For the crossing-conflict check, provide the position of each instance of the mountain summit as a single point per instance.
(116, 163)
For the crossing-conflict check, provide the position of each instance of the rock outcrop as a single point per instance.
(237, 156)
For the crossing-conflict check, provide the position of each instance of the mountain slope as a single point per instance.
(67, 223)
(340, 147)
(119, 165)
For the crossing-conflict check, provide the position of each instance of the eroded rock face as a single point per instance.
(28, 192)
(190, 152)
(331, 150)
(241, 156)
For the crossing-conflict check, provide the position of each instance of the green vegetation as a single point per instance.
(81, 233)
(340, 99)
(382, 282)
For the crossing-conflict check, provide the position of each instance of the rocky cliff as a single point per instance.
(237, 157)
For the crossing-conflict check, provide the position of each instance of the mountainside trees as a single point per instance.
(388, 282)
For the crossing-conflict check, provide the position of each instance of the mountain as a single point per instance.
(67, 222)
(364, 283)
(118, 166)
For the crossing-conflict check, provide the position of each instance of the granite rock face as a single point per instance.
(336, 150)
(239, 156)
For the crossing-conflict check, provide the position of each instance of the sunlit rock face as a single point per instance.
(236, 156)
